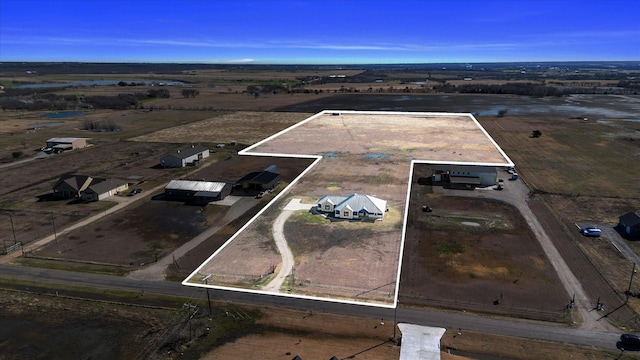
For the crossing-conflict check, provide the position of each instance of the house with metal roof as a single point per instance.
(183, 157)
(197, 191)
(352, 207)
(103, 188)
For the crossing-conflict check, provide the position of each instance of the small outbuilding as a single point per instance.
(197, 191)
(103, 188)
(260, 180)
(464, 176)
(629, 223)
(67, 143)
(183, 157)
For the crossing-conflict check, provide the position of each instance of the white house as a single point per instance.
(353, 207)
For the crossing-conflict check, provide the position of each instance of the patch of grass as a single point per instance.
(450, 247)
(308, 217)
(68, 266)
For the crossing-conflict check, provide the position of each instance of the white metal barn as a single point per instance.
(189, 156)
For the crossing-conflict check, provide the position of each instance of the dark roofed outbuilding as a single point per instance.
(260, 180)
(630, 224)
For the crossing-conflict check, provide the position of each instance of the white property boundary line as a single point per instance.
(247, 151)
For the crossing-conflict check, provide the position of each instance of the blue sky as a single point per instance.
(319, 32)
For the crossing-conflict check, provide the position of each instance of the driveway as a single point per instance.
(286, 267)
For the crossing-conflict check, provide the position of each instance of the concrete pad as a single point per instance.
(420, 342)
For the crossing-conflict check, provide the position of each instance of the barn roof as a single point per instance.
(197, 186)
(190, 151)
(65, 140)
(260, 177)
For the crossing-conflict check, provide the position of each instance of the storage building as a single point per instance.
(197, 191)
(189, 156)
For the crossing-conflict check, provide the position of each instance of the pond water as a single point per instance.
(62, 114)
(98, 83)
(590, 106)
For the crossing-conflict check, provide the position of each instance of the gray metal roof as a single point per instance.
(190, 151)
(189, 185)
(65, 140)
(357, 202)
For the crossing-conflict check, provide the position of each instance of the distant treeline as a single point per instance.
(44, 99)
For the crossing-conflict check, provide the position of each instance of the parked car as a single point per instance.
(630, 340)
(591, 231)
(134, 192)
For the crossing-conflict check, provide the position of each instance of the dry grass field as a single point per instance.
(368, 154)
(582, 171)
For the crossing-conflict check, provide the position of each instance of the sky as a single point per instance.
(319, 31)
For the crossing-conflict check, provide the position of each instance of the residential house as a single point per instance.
(352, 207)
(104, 188)
(71, 186)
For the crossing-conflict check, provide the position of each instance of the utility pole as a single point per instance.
(13, 230)
(53, 223)
(633, 272)
(395, 318)
(206, 281)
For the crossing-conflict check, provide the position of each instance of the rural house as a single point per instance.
(260, 180)
(71, 186)
(630, 224)
(189, 156)
(104, 188)
(201, 192)
(353, 207)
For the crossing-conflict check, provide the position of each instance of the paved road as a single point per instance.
(286, 266)
(450, 320)
(41, 155)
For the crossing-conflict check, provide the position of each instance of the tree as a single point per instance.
(502, 112)
(190, 93)
(536, 133)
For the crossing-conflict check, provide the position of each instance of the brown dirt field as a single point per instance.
(494, 264)
(245, 127)
(151, 228)
(47, 327)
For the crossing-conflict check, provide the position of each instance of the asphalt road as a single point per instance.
(450, 320)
